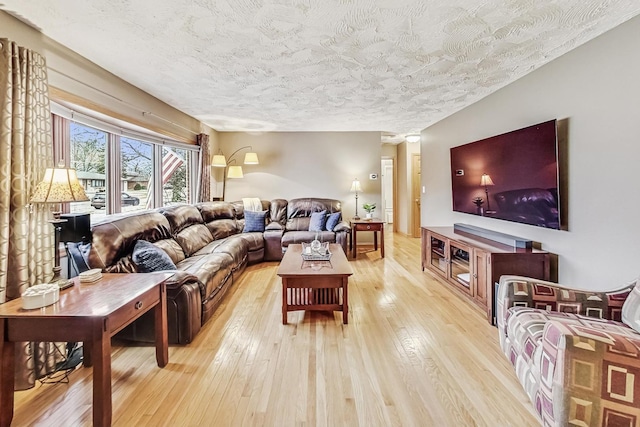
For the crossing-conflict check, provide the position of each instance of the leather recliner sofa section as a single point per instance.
(207, 244)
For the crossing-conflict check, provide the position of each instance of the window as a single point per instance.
(88, 148)
(117, 168)
(175, 179)
(136, 162)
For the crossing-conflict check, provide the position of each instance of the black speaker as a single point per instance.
(76, 229)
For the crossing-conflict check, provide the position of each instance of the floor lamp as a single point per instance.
(235, 171)
(59, 185)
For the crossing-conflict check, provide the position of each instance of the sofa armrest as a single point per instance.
(342, 226)
(181, 278)
(588, 365)
(274, 226)
(519, 291)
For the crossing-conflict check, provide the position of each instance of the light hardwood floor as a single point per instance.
(413, 354)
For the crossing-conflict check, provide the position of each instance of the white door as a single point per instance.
(387, 190)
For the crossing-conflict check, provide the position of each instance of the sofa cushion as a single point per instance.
(333, 220)
(212, 271)
(193, 238)
(255, 241)
(114, 237)
(220, 218)
(306, 236)
(299, 211)
(237, 249)
(631, 308)
(149, 258)
(172, 248)
(318, 221)
(254, 221)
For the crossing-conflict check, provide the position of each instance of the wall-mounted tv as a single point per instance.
(513, 176)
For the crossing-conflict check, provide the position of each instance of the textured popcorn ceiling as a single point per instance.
(394, 66)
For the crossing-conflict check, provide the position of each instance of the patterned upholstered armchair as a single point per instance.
(576, 353)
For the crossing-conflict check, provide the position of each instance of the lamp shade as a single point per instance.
(486, 180)
(219, 161)
(251, 159)
(235, 172)
(355, 186)
(59, 185)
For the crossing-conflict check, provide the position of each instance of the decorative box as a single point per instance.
(40, 296)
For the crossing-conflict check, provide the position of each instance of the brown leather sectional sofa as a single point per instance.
(207, 244)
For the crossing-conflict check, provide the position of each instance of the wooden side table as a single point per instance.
(375, 225)
(91, 313)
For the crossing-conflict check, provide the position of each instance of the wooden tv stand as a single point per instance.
(472, 265)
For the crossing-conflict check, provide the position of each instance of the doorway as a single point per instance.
(415, 195)
(388, 193)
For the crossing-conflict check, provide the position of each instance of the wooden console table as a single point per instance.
(91, 313)
(315, 285)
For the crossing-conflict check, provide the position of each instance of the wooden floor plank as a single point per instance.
(413, 354)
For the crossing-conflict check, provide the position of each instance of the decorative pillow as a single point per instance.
(148, 258)
(631, 309)
(318, 221)
(254, 221)
(333, 220)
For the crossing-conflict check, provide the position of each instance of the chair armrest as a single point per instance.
(586, 365)
(514, 291)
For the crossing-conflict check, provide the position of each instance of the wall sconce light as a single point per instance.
(486, 181)
(220, 161)
(355, 188)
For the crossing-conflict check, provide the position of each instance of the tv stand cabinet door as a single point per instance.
(481, 276)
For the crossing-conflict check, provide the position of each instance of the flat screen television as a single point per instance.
(513, 176)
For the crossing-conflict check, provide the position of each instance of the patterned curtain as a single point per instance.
(205, 168)
(26, 238)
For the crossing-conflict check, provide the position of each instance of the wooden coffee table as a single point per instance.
(315, 285)
(91, 313)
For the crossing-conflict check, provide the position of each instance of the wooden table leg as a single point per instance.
(87, 362)
(382, 241)
(284, 301)
(355, 242)
(345, 300)
(101, 374)
(161, 328)
(7, 374)
(375, 240)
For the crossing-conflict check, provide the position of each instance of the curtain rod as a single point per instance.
(123, 101)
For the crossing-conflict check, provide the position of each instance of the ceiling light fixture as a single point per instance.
(412, 138)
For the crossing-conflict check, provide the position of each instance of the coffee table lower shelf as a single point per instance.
(315, 293)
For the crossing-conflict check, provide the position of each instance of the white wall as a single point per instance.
(306, 164)
(597, 88)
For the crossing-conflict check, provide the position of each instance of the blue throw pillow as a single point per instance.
(318, 221)
(254, 221)
(149, 258)
(333, 220)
